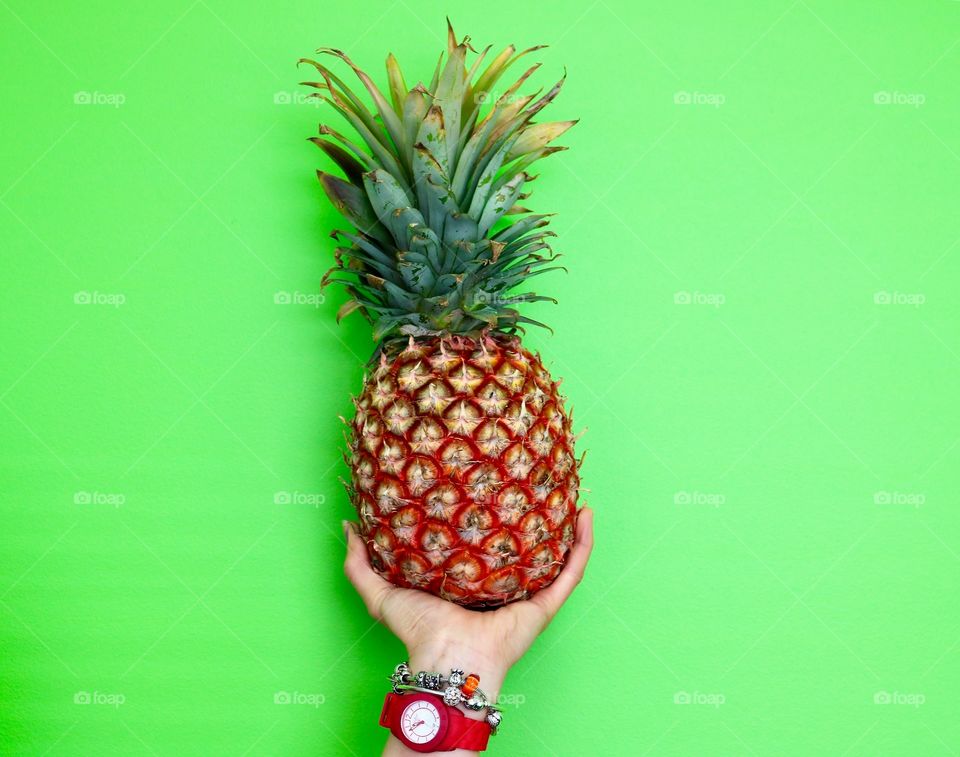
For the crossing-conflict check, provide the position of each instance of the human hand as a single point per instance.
(440, 635)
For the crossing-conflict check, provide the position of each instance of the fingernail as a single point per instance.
(346, 529)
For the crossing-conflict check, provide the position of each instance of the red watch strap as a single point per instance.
(465, 733)
(462, 733)
(385, 712)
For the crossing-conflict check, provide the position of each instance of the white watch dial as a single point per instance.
(420, 721)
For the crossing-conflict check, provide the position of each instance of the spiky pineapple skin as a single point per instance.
(463, 470)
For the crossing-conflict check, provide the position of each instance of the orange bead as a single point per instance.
(470, 685)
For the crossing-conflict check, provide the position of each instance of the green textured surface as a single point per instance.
(741, 453)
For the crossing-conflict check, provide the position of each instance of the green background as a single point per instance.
(760, 331)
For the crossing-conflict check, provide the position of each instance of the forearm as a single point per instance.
(443, 658)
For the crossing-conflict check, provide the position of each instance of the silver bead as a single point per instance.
(452, 696)
(433, 681)
(456, 677)
(422, 680)
(493, 718)
(475, 703)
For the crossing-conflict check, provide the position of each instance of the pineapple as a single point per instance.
(461, 450)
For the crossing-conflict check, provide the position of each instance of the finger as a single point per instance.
(370, 586)
(552, 597)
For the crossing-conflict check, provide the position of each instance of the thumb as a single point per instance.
(370, 586)
(553, 596)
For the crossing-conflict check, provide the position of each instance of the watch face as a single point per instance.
(420, 721)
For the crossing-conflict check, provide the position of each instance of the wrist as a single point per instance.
(443, 656)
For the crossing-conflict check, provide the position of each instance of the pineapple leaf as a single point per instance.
(498, 65)
(521, 227)
(484, 187)
(448, 96)
(469, 96)
(460, 227)
(362, 157)
(435, 79)
(432, 136)
(537, 136)
(387, 114)
(347, 163)
(501, 202)
(415, 106)
(387, 196)
(352, 202)
(345, 97)
(380, 152)
(346, 309)
(544, 101)
(433, 185)
(398, 87)
(525, 162)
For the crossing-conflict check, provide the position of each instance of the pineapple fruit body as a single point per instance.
(463, 470)
(461, 452)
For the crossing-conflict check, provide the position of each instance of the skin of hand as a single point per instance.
(440, 635)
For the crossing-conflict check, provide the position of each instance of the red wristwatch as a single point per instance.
(425, 723)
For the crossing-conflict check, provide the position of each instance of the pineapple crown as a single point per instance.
(439, 244)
